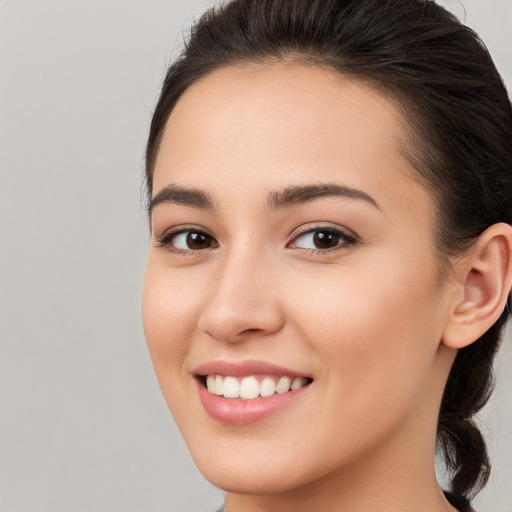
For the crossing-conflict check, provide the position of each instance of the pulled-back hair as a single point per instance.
(459, 125)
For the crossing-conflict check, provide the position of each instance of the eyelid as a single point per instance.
(316, 226)
(350, 237)
(164, 240)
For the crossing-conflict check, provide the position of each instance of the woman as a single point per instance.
(330, 193)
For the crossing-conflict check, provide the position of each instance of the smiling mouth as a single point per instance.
(252, 386)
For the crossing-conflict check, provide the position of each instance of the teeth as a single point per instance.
(210, 383)
(219, 385)
(297, 383)
(267, 387)
(231, 388)
(283, 385)
(248, 388)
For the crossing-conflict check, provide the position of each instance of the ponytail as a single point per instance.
(469, 387)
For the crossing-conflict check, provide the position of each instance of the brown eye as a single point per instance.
(323, 240)
(326, 239)
(197, 241)
(187, 241)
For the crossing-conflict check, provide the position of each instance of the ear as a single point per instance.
(483, 282)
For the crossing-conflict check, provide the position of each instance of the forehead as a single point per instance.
(272, 125)
(285, 110)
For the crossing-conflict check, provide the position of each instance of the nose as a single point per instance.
(244, 301)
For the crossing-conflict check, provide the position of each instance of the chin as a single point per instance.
(263, 478)
(260, 467)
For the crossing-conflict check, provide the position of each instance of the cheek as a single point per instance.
(168, 316)
(375, 327)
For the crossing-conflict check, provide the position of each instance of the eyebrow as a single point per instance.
(285, 198)
(185, 196)
(292, 196)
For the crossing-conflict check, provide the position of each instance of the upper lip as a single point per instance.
(242, 368)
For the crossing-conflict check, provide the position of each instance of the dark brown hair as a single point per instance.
(459, 121)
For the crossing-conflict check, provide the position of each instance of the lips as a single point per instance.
(244, 392)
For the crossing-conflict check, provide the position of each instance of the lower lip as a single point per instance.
(236, 411)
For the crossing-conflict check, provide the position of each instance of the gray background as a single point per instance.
(83, 426)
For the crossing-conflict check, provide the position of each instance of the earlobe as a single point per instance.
(484, 279)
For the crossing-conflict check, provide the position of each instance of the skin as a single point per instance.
(366, 321)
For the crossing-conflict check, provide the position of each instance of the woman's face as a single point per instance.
(291, 249)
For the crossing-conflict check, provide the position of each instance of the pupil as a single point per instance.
(198, 240)
(326, 239)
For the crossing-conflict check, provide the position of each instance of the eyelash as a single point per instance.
(347, 240)
(165, 241)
